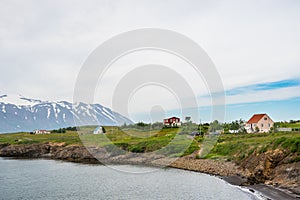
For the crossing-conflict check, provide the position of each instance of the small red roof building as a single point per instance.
(259, 123)
(172, 121)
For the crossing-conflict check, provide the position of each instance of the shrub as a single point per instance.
(293, 144)
(137, 149)
(279, 141)
(295, 147)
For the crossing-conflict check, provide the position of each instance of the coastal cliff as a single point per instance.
(270, 167)
(57, 151)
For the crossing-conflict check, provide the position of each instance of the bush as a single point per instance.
(137, 149)
(295, 147)
(279, 141)
(293, 144)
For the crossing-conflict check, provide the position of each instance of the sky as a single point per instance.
(254, 45)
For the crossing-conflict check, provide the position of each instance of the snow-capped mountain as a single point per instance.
(18, 113)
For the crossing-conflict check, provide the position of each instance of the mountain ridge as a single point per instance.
(24, 114)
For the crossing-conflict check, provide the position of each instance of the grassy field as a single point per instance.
(165, 141)
(69, 137)
(238, 146)
(168, 141)
(294, 126)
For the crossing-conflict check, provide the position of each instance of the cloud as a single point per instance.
(238, 97)
(264, 86)
(254, 44)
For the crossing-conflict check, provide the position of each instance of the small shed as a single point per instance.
(41, 132)
(99, 130)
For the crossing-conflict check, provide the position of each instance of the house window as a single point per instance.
(262, 125)
(269, 125)
(265, 118)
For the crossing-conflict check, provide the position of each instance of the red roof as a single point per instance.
(255, 118)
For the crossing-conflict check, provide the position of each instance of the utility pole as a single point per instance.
(200, 128)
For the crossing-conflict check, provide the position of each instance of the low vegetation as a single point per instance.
(293, 124)
(238, 146)
(70, 137)
(168, 141)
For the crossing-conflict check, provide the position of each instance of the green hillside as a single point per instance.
(228, 146)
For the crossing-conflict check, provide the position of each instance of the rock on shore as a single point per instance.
(58, 151)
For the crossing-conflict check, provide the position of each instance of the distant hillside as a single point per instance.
(24, 114)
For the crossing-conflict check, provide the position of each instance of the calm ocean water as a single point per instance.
(48, 179)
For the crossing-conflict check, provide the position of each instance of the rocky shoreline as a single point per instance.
(256, 172)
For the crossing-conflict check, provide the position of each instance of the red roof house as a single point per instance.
(173, 121)
(259, 123)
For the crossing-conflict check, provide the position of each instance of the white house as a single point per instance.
(99, 130)
(261, 123)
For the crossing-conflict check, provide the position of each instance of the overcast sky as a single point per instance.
(255, 46)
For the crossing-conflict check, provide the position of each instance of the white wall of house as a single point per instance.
(265, 124)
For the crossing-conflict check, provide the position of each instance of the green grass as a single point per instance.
(239, 146)
(168, 142)
(69, 137)
(164, 141)
(290, 125)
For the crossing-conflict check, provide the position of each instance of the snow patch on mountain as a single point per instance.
(18, 113)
